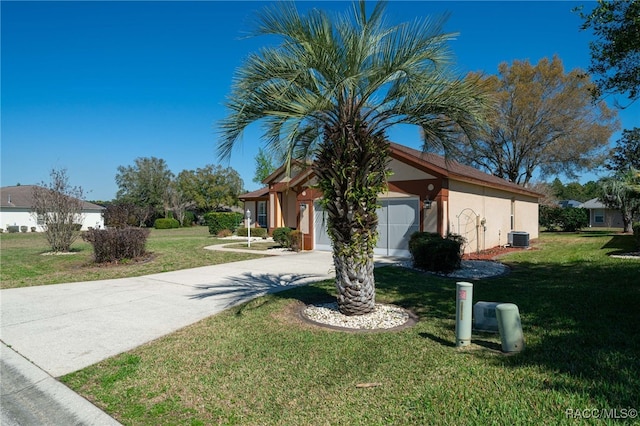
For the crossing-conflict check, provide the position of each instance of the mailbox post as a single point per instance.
(248, 216)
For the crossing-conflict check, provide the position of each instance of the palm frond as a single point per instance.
(329, 70)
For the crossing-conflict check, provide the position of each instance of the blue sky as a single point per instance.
(90, 86)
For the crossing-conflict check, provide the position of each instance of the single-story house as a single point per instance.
(16, 209)
(565, 204)
(601, 216)
(425, 193)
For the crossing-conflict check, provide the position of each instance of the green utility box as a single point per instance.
(509, 327)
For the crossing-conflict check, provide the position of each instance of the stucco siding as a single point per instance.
(527, 216)
(18, 217)
(402, 172)
(24, 217)
(470, 204)
(289, 201)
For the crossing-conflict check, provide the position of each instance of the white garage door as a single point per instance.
(398, 218)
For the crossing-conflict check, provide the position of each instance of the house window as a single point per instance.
(513, 214)
(598, 216)
(40, 220)
(262, 214)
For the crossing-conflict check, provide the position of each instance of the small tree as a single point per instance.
(177, 202)
(58, 206)
(145, 185)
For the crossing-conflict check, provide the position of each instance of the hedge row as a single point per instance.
(636, 234)
(218, 221)
(166, 224)
(255, 232)
(568, 220)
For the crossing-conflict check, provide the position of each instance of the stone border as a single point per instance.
(411, 321)
(633, 255)
(457, 275)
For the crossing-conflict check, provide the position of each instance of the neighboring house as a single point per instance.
(600, 216)
(16, 209)
(565, 204)
(425, 193)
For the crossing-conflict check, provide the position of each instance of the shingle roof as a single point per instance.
(431, 163)
(593, 203)
(21, 196)
(452, 169)
(259, 193)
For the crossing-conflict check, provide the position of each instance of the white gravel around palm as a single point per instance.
(389, 316)
(383, 317)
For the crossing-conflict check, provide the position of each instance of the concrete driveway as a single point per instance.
(49, 331)
(66, 327)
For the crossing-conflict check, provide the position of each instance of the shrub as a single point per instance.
(636, 234)
(295, 240)
(24, 228)
(121, 215)
(574, 219)
(224, 233)
(281, 236)
(189, 219)
(255, 232)
(13, 229)
(433, 253)
(33, 229)
(568, 220)
(114, 244)
(166, 224)
(217, 221)
(550, 217)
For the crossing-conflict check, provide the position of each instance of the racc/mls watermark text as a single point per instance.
(601, 413)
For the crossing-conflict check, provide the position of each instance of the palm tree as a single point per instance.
(330, 91)
(622, 192)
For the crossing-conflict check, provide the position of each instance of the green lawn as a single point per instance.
(24, 260)
(259, 364)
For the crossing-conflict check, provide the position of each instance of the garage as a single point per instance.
(398, 218)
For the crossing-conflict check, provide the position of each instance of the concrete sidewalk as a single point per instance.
(53, 330)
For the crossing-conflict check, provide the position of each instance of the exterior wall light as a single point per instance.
(427, 204)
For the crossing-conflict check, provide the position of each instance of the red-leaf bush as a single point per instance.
(115, 244)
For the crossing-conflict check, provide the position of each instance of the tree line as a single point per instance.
(148, 190)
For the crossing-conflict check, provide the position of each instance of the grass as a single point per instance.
(259, 364)
(24, 263)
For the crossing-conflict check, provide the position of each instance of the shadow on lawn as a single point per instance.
(580, 322)
(621, 243)
(250, 285)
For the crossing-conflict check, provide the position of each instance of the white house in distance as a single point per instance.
(16, 209)
(425, 193)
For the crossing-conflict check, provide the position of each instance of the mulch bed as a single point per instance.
(492, 253)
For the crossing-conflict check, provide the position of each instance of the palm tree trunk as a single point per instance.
(351, 168)
(355, 283)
